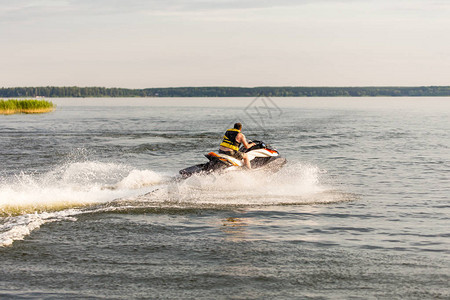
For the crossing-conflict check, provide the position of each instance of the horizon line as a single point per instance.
(230, 86)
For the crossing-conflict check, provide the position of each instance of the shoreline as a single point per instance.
(224, 92)
(26, 111)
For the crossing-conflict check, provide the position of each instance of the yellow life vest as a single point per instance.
(229, 139)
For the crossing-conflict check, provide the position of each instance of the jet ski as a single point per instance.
(261, 156)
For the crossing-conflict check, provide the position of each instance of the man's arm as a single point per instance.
(241, 139)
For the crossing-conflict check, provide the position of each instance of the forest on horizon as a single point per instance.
(73, 91)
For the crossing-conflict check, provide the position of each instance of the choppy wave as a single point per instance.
(16, 228)
(29, 200)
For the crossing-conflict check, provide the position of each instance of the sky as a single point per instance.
(171, 43)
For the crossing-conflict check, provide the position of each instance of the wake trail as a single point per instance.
(27, 201)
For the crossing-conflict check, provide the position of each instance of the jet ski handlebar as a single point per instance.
(258, 145)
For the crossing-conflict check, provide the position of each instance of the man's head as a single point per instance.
(238, 126)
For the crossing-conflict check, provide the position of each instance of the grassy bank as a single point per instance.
(26, 106)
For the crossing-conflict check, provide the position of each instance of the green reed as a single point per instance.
(28, 106)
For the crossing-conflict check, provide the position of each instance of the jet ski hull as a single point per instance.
(261, 157)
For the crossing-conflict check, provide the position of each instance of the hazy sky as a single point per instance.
(160, 43)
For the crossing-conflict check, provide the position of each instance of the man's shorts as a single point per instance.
(235, 154)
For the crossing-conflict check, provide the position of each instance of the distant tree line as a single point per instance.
(52, 91)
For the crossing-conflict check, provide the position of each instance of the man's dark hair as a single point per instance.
(238, 126)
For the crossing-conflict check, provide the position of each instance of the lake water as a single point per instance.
(89, 207)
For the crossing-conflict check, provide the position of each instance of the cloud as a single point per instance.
(31, 8)
(29, 11)
(22, 10)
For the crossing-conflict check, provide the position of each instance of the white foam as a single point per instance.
(89, 173)
(75, 184)
(139, 178)
(29, 200)
(294, 184)
(16, 228)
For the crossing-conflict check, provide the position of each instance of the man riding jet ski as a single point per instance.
(231, 142)
(251, 155)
